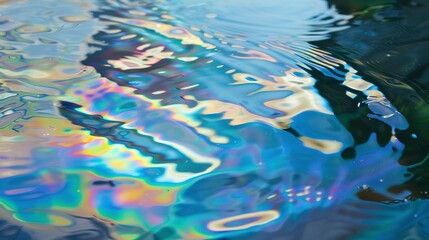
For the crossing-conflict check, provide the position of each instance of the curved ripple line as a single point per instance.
(263, 217)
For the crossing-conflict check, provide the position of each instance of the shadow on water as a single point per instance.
(388, 44)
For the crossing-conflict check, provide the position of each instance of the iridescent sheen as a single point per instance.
(184, 120)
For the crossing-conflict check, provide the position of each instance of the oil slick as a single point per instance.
(165, 121)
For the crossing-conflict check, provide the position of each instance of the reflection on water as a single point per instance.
(125, 119)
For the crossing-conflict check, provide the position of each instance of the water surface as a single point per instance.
(296, 119)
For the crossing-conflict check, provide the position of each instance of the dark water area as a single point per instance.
(227, 119)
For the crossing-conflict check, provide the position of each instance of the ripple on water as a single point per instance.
(191, 120)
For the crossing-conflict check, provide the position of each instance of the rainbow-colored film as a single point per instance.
(227, 119)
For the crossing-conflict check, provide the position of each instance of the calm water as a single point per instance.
(226, 119)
